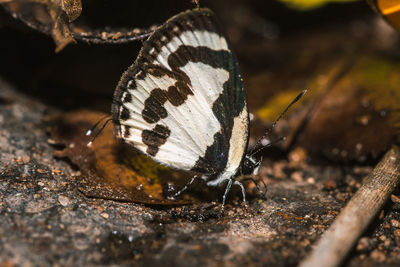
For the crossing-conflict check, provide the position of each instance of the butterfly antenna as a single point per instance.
(89, 132)
(275, 122)
(99, 132)
(283, 138)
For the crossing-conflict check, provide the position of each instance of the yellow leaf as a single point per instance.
(305, 5)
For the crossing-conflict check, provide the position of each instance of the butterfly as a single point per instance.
(182, 103)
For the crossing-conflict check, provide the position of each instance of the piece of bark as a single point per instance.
(340, 238)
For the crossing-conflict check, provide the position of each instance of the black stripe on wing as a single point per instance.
(228, 106)
(192, 20)
(201, 19)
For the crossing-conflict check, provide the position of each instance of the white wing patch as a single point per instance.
(192, 124)
(237, 146)
(197, 38)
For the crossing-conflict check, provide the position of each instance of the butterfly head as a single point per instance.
(251, 164)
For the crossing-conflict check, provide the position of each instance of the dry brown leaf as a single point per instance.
(110, 169)
(359, 116)
(351, 110)
(55, 17)
(48, 16)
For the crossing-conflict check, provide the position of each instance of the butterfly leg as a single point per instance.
(185, 187)
(260, 191)
(243, 192)
(228, 187)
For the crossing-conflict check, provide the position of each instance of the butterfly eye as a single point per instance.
(248, 165)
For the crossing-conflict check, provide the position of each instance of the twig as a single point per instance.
(340, 238)
(112, 37)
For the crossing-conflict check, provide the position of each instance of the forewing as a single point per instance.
(178, 102)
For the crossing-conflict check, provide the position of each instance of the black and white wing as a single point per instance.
(182, 102)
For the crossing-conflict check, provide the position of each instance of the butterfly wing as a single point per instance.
(182, 102)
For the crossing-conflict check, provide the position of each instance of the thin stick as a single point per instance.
(92, 38)
(342, 235)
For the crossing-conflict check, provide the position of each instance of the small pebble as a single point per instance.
(64, 201)
(363, 244)
(395, 223)
(395, 199)
(378, 256)
(340, 196)
(51, 141)
(330, 185)
(41, 171)
(396, 233)
(386, 243)
(297, 176)
(381, 215)
(104, 215)
(278, 170)
(311, 180)
(298, 155)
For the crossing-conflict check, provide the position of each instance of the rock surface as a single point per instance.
(46, 221)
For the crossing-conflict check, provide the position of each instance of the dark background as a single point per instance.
(85, 76)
